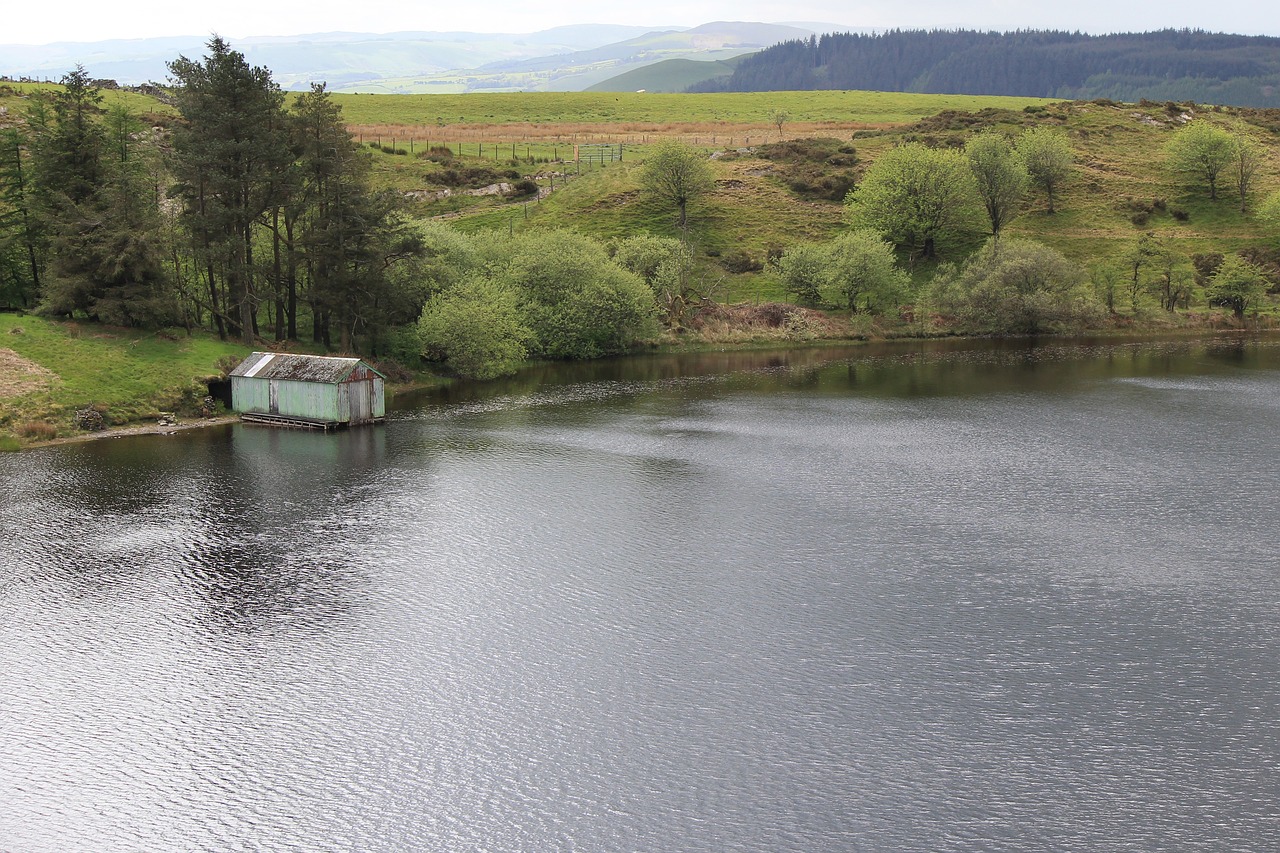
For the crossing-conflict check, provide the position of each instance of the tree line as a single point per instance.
(1178, 65)
(248, 216)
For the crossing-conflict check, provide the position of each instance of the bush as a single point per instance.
(576, 301)
(803, 270)
(476, 327)
(437, 154)
(524, 187)
(740, 262)
(1014, 286)
(38, 430)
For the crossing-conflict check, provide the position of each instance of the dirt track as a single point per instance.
(20, 376)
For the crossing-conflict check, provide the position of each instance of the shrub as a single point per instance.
(476, 327)
(1014, 286)
(803, 270)
(740, 262)
(575, 300)
(524, 187)
(437, 154)
(39, 430)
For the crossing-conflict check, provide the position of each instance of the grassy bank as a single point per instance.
(51, 369)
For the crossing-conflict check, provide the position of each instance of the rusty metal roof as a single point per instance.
(299, 368)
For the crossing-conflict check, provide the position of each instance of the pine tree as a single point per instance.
(231, 156)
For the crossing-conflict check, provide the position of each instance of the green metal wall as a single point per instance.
(315, 400)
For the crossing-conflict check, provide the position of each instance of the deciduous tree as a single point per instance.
(863, 273)
(677, 175)
(1046, 152)
(476, 327)
(1247, 157)
(1001, 177)
(1203, 151)
(916, 196)
(1237, 284)
(1014, 286)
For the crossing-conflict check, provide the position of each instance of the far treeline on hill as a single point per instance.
(1168, 65)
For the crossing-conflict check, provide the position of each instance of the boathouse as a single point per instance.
(313, 391)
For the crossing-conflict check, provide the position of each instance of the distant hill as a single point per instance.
(559, 59)
(669, 75)
(338, 58)
(1168, 65)
(581, 70)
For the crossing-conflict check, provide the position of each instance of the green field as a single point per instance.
(574, 108)
(128, 374)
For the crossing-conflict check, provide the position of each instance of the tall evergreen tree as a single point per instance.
(21, 234)
(231, 157)
(349, 234)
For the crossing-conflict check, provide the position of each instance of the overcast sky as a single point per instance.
(25, 22)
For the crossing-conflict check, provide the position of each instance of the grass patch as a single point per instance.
(128, 373)
(657, 110)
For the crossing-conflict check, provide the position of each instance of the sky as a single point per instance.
(93, 20)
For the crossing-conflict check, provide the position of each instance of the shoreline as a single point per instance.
(135, 429)
(670, 348)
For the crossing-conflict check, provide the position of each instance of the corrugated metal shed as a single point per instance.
(307, 390)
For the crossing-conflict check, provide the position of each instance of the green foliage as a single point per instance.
(803, 269)
(549, 294)
(1237, 284)
(1269, 215)
(1203, 151)
(1013, 286)
(1162, 65)
(667, 266)
(130, 373)
(97, 198)
(917, 197)
(864, 274)
(1247, 158)
(231, 157)
(676, 175)
(23, 240)
(446, 257)
(1046, 153)
(475, 326)
(1000, 174)
(857, 271)
(657, 260)
(574, 299)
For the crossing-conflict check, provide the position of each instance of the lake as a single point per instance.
(967, 595)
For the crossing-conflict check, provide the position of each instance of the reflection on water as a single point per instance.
(979, 595)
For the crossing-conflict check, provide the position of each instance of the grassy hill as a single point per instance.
(765, 201)
(669, 75)
(774, 188)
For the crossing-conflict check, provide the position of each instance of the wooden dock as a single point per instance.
(288, 421)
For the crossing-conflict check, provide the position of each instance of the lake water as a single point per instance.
(969, 596)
